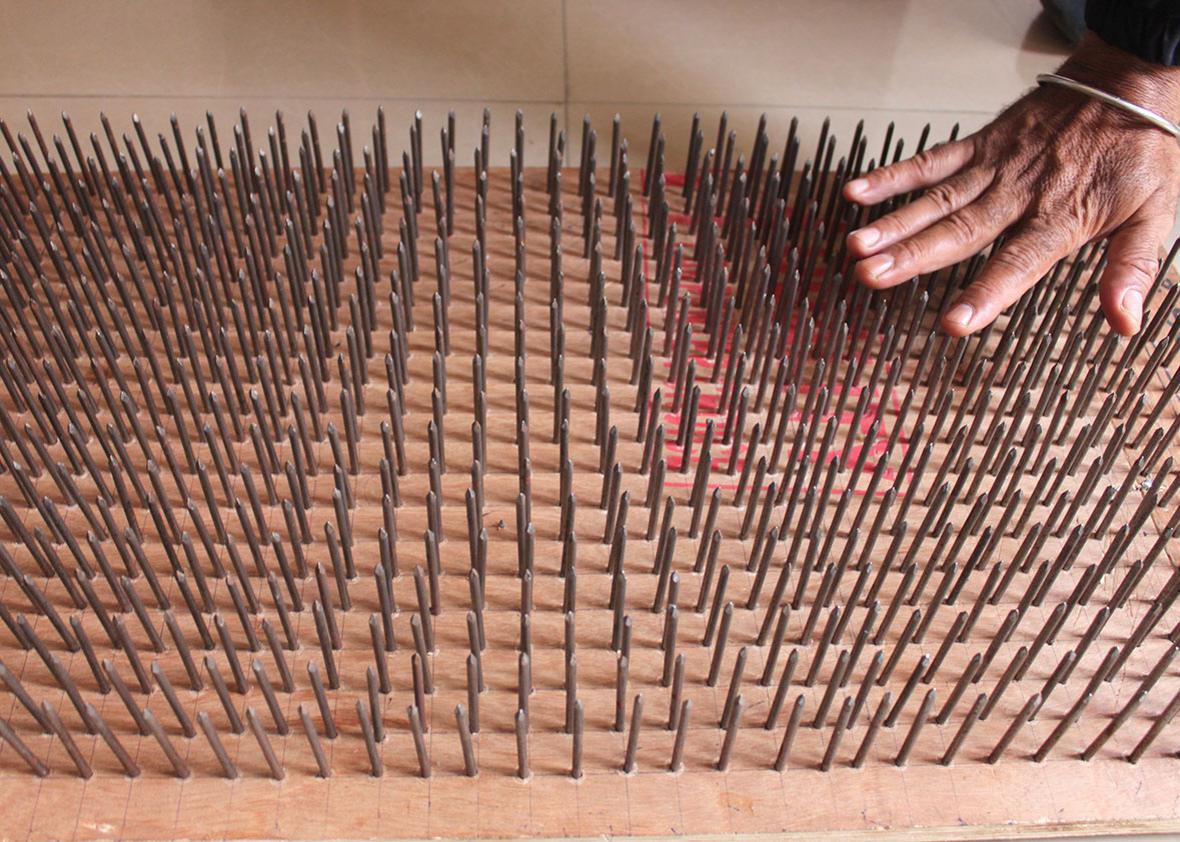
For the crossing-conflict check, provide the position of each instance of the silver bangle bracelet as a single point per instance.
(1144, 114)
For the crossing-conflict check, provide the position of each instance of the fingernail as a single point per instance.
(877, 265)
(857, 186)
(866, 237)
(1132, 305)
(961, 314)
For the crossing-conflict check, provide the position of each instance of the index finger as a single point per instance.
(922, 170)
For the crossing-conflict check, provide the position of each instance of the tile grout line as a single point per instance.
(296, 95)
(565, 72)
(565, 101)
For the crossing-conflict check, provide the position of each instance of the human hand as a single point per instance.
(1053, 171)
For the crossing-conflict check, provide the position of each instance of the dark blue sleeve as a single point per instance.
(1149, 29)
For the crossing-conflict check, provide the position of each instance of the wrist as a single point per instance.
(1152, 86)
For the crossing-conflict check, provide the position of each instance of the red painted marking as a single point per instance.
(709, 409)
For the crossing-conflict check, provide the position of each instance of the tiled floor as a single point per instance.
(911, 61)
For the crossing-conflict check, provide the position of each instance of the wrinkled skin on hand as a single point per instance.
(1055, 170)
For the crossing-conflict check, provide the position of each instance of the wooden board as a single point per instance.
(970, 798)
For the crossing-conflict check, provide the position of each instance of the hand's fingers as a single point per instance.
(1019, 263)
(1132, 260)
(924, 169)
(939, 201)
(948, 241)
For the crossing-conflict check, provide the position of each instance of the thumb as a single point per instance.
(1132, 261)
